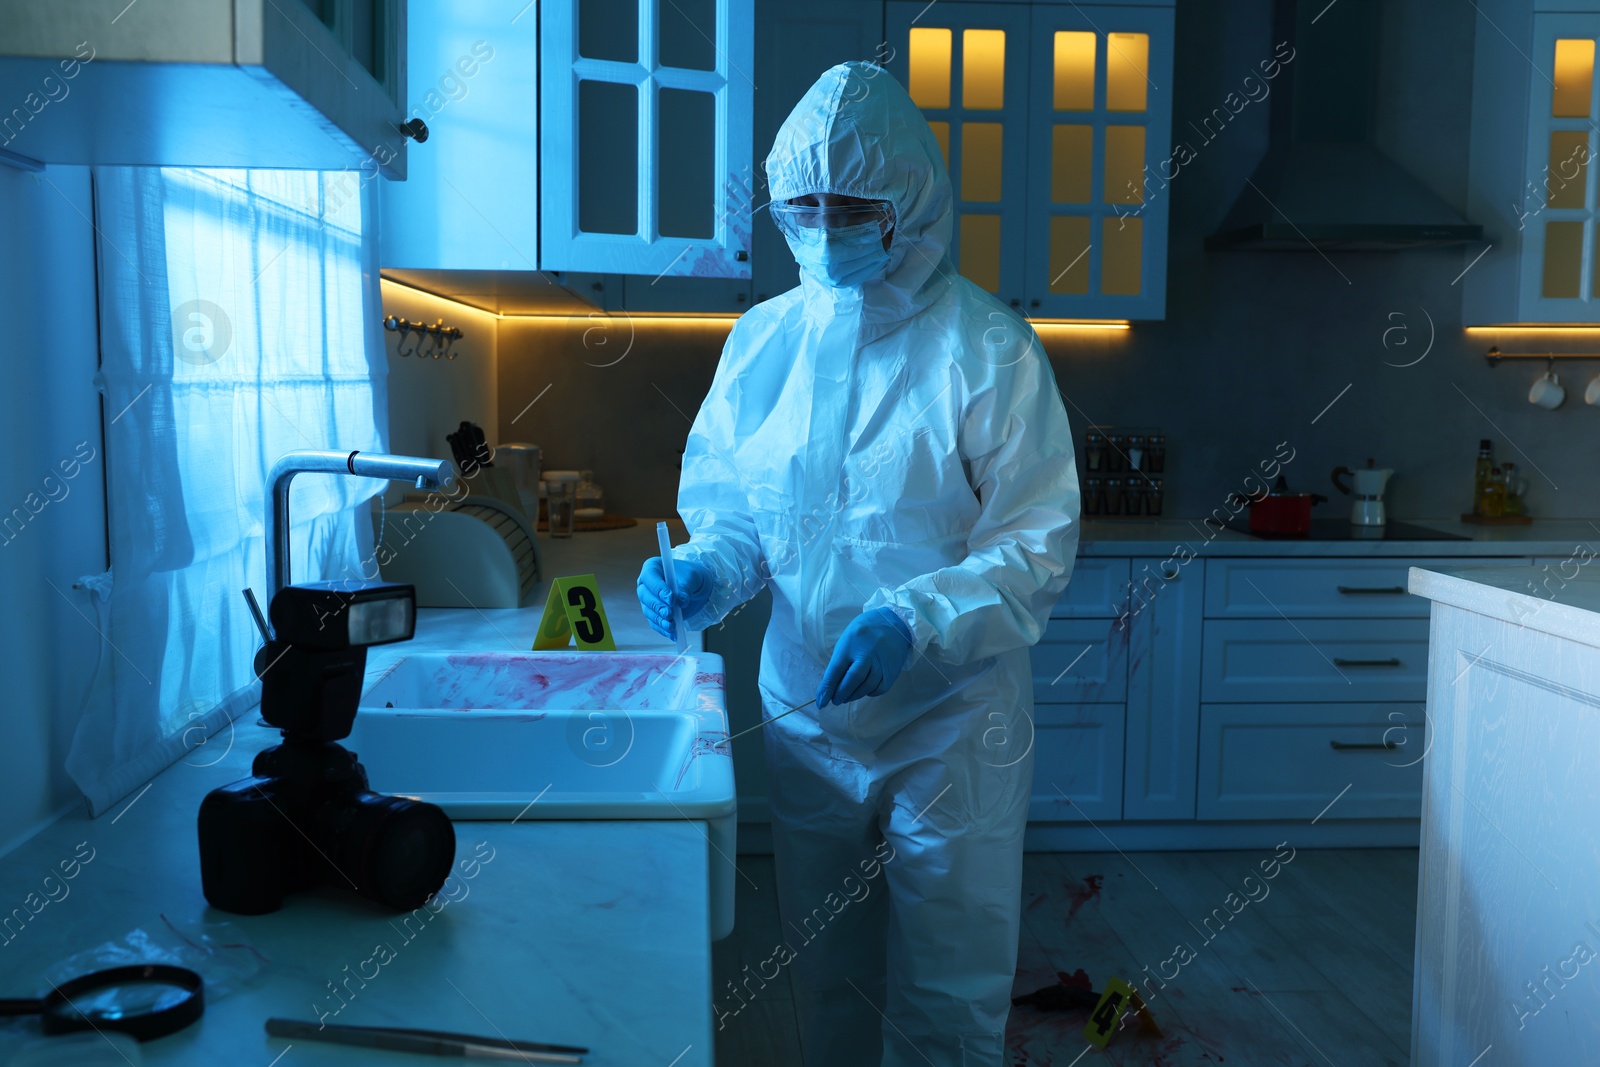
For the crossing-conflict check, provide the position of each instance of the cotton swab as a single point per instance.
(665, 542)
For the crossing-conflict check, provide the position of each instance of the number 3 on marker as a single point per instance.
(588, 626)
(574, 609)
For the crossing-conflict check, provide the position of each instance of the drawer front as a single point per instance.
(1315, 589)
(1292, 660)
(1098, 590)
(1289, 761)
(1081, 661)
(1077, 762)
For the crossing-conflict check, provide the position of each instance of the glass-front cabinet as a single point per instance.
(1050, 117)
(1533, 137)
(595, 138)
(645, 137)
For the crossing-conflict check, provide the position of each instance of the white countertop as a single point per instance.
(588, 933)
(614, 557)
(1152, 537)
(1560, 600)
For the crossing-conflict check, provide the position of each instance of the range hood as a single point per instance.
(1322, 184)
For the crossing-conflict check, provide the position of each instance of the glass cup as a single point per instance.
(561, 504)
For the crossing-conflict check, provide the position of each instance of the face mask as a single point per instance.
(843, 257)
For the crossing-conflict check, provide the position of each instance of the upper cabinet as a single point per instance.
(1050, 116)
(646, 162)
(471, 198)
(594, 138)
(289, 84)
(619, 143)
(1533, 135)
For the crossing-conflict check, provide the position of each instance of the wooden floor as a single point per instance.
(1316, 972)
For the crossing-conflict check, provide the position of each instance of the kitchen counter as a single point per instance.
(589, 933)
(612, 556)
(1507, 912)
(1161, 537)
(1564, 603)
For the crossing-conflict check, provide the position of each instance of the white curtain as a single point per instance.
(239, 320)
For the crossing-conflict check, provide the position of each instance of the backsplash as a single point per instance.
(428, 397)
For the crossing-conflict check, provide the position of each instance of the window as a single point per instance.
(238, 314)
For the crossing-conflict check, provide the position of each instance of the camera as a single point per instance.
(305, 817)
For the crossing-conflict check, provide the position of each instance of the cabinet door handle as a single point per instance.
(1393, 661)
(1345, 746)
(1386, 590)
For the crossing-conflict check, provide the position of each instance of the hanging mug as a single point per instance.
(1547, 391)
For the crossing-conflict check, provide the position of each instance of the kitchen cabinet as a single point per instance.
(1290, 760)
(1312, 681)
(469, 201)
(1048, 112)
(645, 137)
(1163, 617)
(641, 292)
(1288, 659)
(296, 84)
(1506, 919)
(1077, 763)
(1116, 694)
(1183, 702)
(1533, 137)
(1080, 692)
(597, 138)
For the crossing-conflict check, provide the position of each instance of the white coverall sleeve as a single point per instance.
(1021, 551)
(715, 506)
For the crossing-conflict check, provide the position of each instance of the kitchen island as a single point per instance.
(1508, 932)
(586, 933)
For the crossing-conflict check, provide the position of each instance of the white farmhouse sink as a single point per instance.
(558, 735)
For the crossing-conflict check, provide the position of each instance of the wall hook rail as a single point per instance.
(1494, 356)
(443, 337)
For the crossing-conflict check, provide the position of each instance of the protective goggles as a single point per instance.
(791, 217)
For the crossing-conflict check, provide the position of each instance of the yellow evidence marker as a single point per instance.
(573, 612)
(1103, 1021)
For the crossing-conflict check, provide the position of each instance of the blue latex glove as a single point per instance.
(695, 582)
(867, 659)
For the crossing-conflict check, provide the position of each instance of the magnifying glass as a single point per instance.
(145, 1001)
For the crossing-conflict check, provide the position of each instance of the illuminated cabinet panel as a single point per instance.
(1530, 183)
(1105, 73)
(1052, 117)
(966, 67)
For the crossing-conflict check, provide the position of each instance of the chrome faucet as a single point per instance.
(426, 473)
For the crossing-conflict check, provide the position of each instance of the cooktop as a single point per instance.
(1342, 530)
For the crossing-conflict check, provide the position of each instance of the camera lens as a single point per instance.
(405, 848)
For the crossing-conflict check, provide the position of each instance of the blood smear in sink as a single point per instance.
(481, 680)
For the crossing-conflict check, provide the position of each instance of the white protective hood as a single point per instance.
(857, 133)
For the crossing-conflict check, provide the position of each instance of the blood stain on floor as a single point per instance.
(1083, 894)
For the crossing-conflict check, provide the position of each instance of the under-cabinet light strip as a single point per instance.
(1548, 327)
(706, 318)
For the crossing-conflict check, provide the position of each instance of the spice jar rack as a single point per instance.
(1124, 472)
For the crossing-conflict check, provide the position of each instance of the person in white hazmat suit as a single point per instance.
(885, 449)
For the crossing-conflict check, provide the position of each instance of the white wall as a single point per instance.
(50, 412)
(429, 398)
